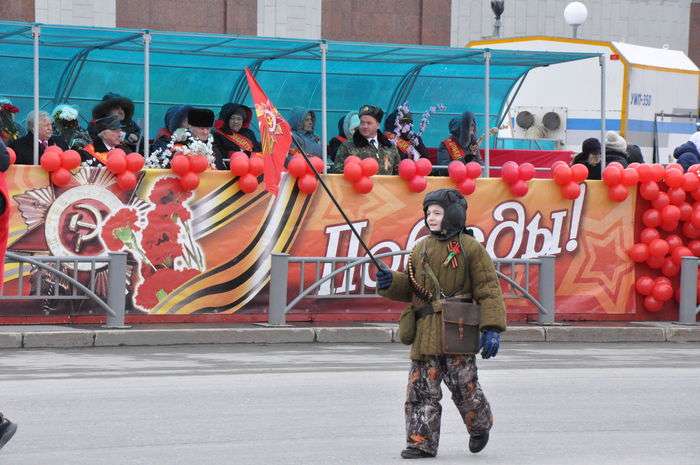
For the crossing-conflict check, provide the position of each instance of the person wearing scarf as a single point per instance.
(233, 133)
(462, 145)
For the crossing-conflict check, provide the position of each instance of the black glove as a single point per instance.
(384, 279)
(490, 342)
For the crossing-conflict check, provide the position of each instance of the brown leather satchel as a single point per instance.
(460, 325)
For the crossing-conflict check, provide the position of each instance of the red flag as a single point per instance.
(275, 135)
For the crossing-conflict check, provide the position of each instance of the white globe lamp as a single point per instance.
(575, 15)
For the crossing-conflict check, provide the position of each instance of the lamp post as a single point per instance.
(575, 15)
(497, 6)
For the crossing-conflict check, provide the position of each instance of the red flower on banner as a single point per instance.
(118, 230)
(161, 283)
(160, 240)
(169, 197)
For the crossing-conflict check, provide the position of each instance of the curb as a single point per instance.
(80, 338)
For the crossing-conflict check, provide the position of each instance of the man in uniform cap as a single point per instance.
(107, 135)
(368, 142)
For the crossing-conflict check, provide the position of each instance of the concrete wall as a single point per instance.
(76, 12)
(643, 22)
(289, 18)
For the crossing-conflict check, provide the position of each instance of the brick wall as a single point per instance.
(694, 36)
(17, 10)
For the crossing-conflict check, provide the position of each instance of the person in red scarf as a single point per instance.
(232, 130)
(400, 132)
(107, 135)
(463, 144)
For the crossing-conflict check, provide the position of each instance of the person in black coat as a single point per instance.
(24, 146)
(590, 157)
(123, 109)
(409, 145)
(688, 154)
(232, 132)
(616, 149)
(634, 154)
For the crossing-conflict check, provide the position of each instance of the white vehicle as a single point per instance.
(651, 95)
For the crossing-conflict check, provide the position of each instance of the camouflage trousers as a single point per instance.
(423, 409)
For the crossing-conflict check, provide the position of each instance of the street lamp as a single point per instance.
(497, 6)
(575, 15)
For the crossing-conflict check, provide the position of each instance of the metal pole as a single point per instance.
(687, 309)
(146, 92)
(324, 107)
(36, 32)
(545, 289)
(602, 113)
(487, 111)
(116, 289)
(278, 288)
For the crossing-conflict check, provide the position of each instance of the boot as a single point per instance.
(7, 430)
(478, 441)
(413, 453)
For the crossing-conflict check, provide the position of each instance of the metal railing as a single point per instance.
(517, 280)
(688, 308)
(68, 287)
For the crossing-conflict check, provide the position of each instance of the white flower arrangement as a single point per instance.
(407, 129)
(187, 145)
(65, 112)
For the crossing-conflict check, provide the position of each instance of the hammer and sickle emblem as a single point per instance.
(77, 223)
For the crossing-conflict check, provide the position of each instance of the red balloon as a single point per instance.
(658, 248)
(562, 175)
(686, 211)
(257, 165)
(11, 153)
(456, 170)
(645, 173)
(639, 253)
(669, 226)
(423, 167)
(680, 252)
(655, 262)
(318, 164)
(126, 181)
(467, 187)
(674, 178)
(510, 173)
(690, 231)
(407, 168)
(612, 176)
(296, 167)
(661, 201)
(676, 196)
(70, 159)
(661, 279)
(248, 183)
(417, 184)
(690, 182)
(370, 166)
(651, 218)
(527, 171)
(352, 159)
(694, 247)
(473, 170)
(675, 166)
(694, 168)
(116, 161)
(571, 191)
(180, 164)
(670, 214)
(199, 163)
(557, 163)
(519, 189)
(644, 285)
(134, 162)
(61, 177)
(363, 185)
(649, 190)
(50, 161)
(616, 164)
(579, 172)
(630, 177)
(674, 241)
(695, 218)
(618, 193)
(308, 183)
(658, 171)
(649, 234)
(352, 172)
(651, 304)
(189, 181)
(669, 268)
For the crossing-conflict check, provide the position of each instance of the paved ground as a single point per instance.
(325, 404)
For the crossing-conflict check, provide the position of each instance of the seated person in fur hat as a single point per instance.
(67, 125)
(107, 135)
(24, 146)
(462, 145)
(369, 142)
(233, 133)
(400, 133)
(123, 109)
(615, 149)
(196, 139)
(175, 118)
(346, 127)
